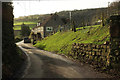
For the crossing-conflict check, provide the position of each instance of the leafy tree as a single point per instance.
(25, 30)
(114, 8)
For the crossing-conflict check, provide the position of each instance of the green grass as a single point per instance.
(27, 23)
(17, 25)
(61, 42)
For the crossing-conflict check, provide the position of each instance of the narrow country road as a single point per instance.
(43, 64)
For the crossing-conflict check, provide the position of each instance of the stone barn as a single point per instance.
(50, 26)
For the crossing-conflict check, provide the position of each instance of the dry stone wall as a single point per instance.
(98, 55)
(115, 41)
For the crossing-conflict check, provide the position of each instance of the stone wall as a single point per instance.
(115, 40)
(97, 55)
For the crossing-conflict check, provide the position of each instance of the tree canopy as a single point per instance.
(25, 30)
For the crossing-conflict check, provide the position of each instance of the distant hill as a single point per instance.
(84, 17)
(31, 21)
(81, 17)
(31, 18)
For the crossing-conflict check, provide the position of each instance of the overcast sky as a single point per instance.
(24, 8)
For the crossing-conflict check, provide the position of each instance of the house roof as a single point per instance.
(48, 19)
(45, 22)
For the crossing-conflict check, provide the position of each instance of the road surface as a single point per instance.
(43, 64)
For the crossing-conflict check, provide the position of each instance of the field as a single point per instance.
(17, 25)
(61, 42)
(27, 23)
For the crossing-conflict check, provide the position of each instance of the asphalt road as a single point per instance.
(44, 64)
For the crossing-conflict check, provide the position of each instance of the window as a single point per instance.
(49, 28)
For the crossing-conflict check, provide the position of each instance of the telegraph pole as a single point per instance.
(70, 16)
(108, 12)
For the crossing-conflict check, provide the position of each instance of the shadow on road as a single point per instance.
(54, 61)
(57, 68)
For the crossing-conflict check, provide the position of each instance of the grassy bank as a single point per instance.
(61, 42)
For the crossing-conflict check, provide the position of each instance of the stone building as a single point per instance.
(50, 26)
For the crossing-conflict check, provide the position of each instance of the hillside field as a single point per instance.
(61, 42)
(17, 24)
